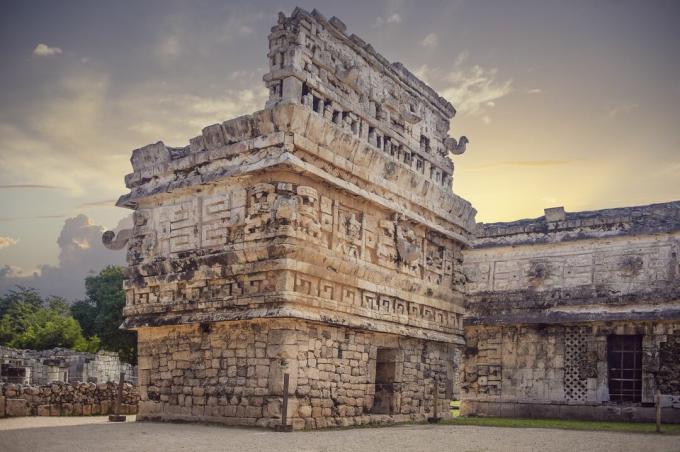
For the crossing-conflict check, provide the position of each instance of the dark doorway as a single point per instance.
(385, 371)
(624, 358)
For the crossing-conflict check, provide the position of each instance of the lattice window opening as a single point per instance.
(575, 350)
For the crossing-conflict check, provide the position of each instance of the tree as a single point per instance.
(107, 299)
(85, 312)
(28, 321)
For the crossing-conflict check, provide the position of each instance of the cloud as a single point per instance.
(102, 203)
(7, 242)
(622, 109)
(520, 164)
(45, 187)
(471, 89)
(430, 41)
(79, 138)
(240, 25)
(535, 91)
(81, 253)
(474, 89)
(45, 50)
(393, 19)
(175, 117)
(462, 56)
(36, 217)
(169, 46)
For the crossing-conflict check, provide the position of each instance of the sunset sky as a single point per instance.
(573, 103)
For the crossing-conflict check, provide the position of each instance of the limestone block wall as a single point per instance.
(561, 371)
(232, 373)
(107, 367)
(575, 279)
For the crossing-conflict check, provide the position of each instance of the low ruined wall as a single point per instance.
(61, 399)
(232, 373)
(40, 367)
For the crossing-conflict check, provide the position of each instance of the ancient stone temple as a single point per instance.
(575, 315)
(318, 238)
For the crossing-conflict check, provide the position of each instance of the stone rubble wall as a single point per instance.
(233, 374)
(64, 399)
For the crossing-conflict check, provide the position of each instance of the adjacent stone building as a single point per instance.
(575, 315)
(318, 237)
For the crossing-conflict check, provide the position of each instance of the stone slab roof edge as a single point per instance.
(669, 210)
(550, 318)
(381, 326)
(129, 200)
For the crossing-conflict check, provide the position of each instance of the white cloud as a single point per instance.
(475, 89)
(486, 119)
(622, 109)
(239, 25)
(535, 91)
(393, 19)
(80, 138)
(81, 253)
(7, 242)
(462, 57)
(430, 41)
(45, 50)
(169, 46)
(472, 90)
(427, 74)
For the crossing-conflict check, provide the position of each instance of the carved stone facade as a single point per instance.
(554, 301)
(318, 237)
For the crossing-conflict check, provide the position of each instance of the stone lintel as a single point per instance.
(292, 312)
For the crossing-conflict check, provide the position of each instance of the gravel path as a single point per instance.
(96, 434)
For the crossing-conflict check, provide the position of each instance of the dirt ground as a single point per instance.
(96, 434)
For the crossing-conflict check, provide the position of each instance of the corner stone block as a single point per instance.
(16, 407)
(149, 155)
(213, 136)
(276, 371)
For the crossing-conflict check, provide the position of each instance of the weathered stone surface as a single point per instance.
(16, 407)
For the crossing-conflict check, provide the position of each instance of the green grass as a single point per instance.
(673, 429)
